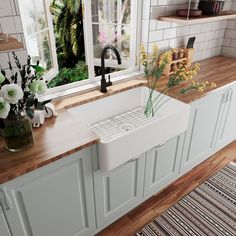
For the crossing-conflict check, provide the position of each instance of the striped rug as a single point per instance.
(208, 210)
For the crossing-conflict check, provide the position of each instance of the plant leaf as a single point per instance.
(40, 106)
(38, 68)
(30, 112)
(30, 101)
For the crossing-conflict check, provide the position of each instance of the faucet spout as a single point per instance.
(104, 84)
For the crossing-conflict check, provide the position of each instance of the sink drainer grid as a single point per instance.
(117, 125)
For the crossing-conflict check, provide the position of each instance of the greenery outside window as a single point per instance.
(72, 33)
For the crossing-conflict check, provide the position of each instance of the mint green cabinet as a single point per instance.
(118, 191)
(4, 230)
(54, 200)
(204, 123)
(227, 130)
(162, 165)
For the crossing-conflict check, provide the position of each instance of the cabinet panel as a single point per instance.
(227, 131)
(118, 191)
(57, 203)
(4, 230)
(162, 165)
(201, 133)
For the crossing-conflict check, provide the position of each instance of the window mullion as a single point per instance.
(88, 36)
(134, 40)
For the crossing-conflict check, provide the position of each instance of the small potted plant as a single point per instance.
(18, 99)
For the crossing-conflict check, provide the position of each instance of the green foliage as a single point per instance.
(68, 25)
(70, 75)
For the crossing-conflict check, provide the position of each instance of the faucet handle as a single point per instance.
(109, 83)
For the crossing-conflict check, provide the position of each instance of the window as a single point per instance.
(39, 35)
(80, 36)
(111, 24)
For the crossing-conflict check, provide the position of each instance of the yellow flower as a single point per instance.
(165, 58)
(144, 56)
(213, 85)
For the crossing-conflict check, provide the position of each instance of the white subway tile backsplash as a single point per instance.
(145, 30)
(22, 55)
(152, 24)
(4, 60)
(157, 11)
(146, 9)
(183, 31)
(162, 25)
(233, 43)
(155, 35)
(226, 42)
(195, 29)
(170, 33)
(228, 51)
(154, 2)
(8, 25)
(11, 25)
(230, 34)
(18, 24)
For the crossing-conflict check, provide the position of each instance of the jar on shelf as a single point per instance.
(173, 67)
(175, 55)
(181, 54)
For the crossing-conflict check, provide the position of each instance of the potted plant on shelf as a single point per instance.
(154, 65)
(18, 99)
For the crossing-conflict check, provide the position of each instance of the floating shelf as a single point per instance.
(200, 19)
(12, 44)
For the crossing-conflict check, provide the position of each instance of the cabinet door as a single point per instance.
(201, 132)
(57, 200)
(227, 131)
(162, 165)
(118, 191)
(4, 230)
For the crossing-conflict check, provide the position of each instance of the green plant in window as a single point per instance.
(70, 75)
(68, 25)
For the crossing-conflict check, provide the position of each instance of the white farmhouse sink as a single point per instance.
(124, 131)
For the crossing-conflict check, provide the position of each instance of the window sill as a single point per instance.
(59, 92)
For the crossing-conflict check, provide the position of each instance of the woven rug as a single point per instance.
(208, 210)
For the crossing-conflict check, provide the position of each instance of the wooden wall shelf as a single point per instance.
(12, 44)
(198, 20)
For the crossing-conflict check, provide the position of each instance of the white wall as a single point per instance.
(12, 24)
(229, 43)
(209, 36)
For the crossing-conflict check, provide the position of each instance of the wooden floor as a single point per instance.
(129, 224)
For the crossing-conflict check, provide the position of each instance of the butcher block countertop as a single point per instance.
(64, 135)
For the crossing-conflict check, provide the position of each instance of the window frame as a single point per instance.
(93, 81)
(54, 70)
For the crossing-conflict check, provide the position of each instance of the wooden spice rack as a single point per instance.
(11, 44)
(188, 57)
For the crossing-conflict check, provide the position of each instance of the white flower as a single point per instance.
(4, 108)
(38, 86)
(2, 78)
(12, 93)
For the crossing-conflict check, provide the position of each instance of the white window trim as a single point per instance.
(54, 71)
(92, 81)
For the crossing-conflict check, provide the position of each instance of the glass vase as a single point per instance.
(18, 134)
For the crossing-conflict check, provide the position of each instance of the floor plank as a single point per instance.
(129, 224)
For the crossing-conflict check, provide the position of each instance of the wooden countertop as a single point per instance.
(58, 138)
(220, 70)
(64, 135)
